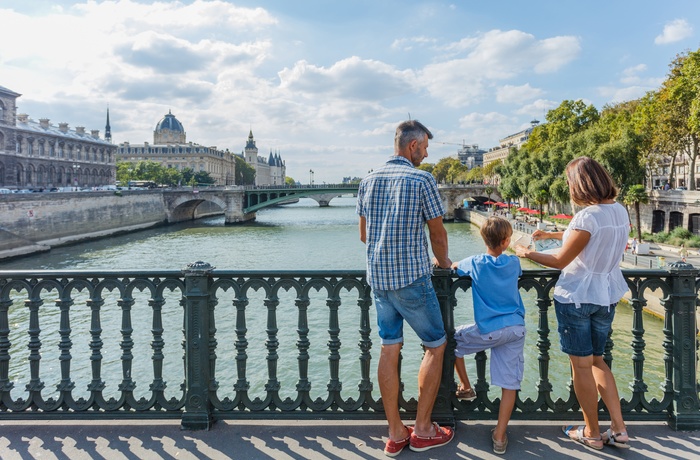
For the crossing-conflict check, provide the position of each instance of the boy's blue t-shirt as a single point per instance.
(497, 301)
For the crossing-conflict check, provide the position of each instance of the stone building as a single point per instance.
(268, 171)
(507, 143)
(39, 155)
(471, 156)
(171, 149)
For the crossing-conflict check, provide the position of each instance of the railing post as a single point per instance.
(442, 411)
(686, 415)
(197, 415)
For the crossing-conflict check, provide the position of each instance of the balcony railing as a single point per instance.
(203, 345)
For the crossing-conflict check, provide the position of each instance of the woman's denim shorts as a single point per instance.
(417, 304)
(584, 331)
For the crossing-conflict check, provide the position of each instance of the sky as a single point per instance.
(324, 83)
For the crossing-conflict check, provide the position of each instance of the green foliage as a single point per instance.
(680, 232)
(245, 174)
(289, 181)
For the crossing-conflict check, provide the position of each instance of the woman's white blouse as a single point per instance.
(594, 276)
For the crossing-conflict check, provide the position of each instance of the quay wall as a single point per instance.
(52, 219)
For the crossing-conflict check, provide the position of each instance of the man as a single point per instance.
(394, 203)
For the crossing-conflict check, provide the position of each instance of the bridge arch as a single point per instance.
(185, 207)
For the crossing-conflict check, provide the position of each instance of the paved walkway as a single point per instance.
(315, 440)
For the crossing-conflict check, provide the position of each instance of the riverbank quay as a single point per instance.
(302, 439)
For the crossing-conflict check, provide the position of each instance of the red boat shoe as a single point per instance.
(443, 435)
(394, 448)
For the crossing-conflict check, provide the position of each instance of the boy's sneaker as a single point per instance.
(499, 447)
(443, 435)
(465, 395)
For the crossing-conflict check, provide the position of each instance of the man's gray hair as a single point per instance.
(408, 131)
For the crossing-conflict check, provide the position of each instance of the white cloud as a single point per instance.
(406, 44)
(351, 78)
(494, 56)
(509, 94)
(674, 31)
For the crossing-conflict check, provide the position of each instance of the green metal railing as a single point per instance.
(203, 345)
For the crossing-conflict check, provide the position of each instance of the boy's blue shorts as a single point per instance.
(506, 344)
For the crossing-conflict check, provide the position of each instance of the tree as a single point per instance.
(539, 194)
(635, 196)
(245, 174)
(446, 169)
(289, 181)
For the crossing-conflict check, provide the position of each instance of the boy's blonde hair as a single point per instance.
(495, 230)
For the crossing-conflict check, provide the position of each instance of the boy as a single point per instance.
(500, 322)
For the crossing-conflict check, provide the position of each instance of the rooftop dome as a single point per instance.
(171, 123)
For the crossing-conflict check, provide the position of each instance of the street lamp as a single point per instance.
(311, 177)
(76, 172)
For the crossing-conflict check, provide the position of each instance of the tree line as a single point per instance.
(631, 139)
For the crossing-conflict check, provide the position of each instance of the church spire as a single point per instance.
(108, 129)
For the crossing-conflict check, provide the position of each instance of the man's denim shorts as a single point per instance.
(415, 303)
(584, 331)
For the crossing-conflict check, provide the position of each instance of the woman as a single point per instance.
(589, 287)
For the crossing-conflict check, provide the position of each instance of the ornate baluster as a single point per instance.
(127, 344)
(97, 384)
(272, 344)
(242, 384)
(303, 344)
(35, 384)
(544, 386)
(638, 345)
(365, 345)
(65, 345)
(158, 386)
(334, 386)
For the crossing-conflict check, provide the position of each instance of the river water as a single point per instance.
(300, 236)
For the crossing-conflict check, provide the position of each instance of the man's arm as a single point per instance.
(438, 242)
(363, 229)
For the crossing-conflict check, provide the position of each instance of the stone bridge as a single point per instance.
(240, 203)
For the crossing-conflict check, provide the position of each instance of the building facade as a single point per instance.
(471, 156)
(171, 149)
(268, 171)
(41, 156)
(502, 151)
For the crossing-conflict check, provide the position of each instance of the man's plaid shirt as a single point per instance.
(396, 201)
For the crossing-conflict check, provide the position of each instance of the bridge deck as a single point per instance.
(314, 440)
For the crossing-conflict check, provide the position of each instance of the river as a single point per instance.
(300, 236)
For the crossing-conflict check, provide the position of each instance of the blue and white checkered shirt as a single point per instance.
(396, 201)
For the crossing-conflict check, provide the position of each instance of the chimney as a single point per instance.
(63, 127)
(22, 117)
(95, 133)
(44, 123)
(80, 130)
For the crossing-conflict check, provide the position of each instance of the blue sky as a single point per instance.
(325, 83)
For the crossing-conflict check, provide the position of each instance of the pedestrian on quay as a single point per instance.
(395, 202)
(586, 293)
(683, 252)
(499, 316)
(634, 245)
